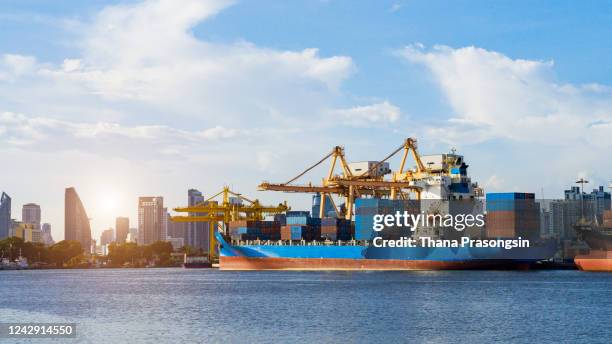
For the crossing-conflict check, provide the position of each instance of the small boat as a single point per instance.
(196, 262)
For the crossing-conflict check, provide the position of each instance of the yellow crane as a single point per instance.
(213, 212)
(351, 186)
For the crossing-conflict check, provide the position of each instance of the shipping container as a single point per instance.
(511, 224)
(297, 213)
(367, 208)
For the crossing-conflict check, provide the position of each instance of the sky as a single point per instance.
(122, 99)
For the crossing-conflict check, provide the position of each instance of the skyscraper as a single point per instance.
(165, 223)
(150, 219)
(46, 234)
(122, 227)
(76, 222)
(107, 237)
(5, 215)
(177, 230)
(197, 232)
(30, 213)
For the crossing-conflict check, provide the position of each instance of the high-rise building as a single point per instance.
(5, 215)
(30, 213)
(122, 227)
(578, 204)
(165, 223)
(177, 229)
(107, 237)
(76, 222)
(150, 220)
(46, 234)
(197, 232)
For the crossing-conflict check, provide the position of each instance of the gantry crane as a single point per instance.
(213, 212)
(351, 186)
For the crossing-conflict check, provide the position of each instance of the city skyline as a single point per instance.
(87, 101)
(571, 192)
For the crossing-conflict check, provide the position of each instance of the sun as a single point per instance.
(108, 203)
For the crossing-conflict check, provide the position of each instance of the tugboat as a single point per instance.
(599, 239)
(196, 262)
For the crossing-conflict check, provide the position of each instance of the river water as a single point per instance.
(211, 306)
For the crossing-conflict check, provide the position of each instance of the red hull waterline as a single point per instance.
(250, 263)
(596, 260)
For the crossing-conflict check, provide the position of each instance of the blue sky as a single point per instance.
(149, 98)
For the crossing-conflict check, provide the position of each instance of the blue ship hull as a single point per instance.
(333, 257)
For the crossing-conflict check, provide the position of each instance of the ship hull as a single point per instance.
(322, 264)
(333, 257)
(197, 265)
(596, 260)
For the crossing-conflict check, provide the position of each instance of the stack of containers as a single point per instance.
(367, 208)
(300, 225)
(281, 218)
(512, 214)
(336, 229)
(254, 230)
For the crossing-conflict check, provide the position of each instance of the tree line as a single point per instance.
(61, 254)
(70, 253)
(158, 252)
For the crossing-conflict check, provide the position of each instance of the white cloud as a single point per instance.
(143, 61)
(367, 115)
(493, 183)
(533, 129)
(494, 96)
(16, 65)
(396, 7)
(108, 139)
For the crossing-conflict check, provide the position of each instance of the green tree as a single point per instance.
(64, 251)
(119, 254)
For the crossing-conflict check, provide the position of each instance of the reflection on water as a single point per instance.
(165, 305)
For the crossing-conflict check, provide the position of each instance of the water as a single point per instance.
(173, 305)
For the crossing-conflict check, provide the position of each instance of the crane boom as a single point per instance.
(214, 212)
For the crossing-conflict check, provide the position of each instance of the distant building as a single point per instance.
(557, 219)
(165, 223)
(5, 215)
(46, 233)
(27, 232)
(107, 237)
(565, 213)
(30, 213)
(177, 229)
(316, 206)
(122, 228)
(132, 236)
(545, 225)
(197, 232)
(594, 203)
(76, 222)
(150, 219)
(601, 201)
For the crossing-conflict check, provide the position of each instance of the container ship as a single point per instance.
(344, 238)
(599, 239)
